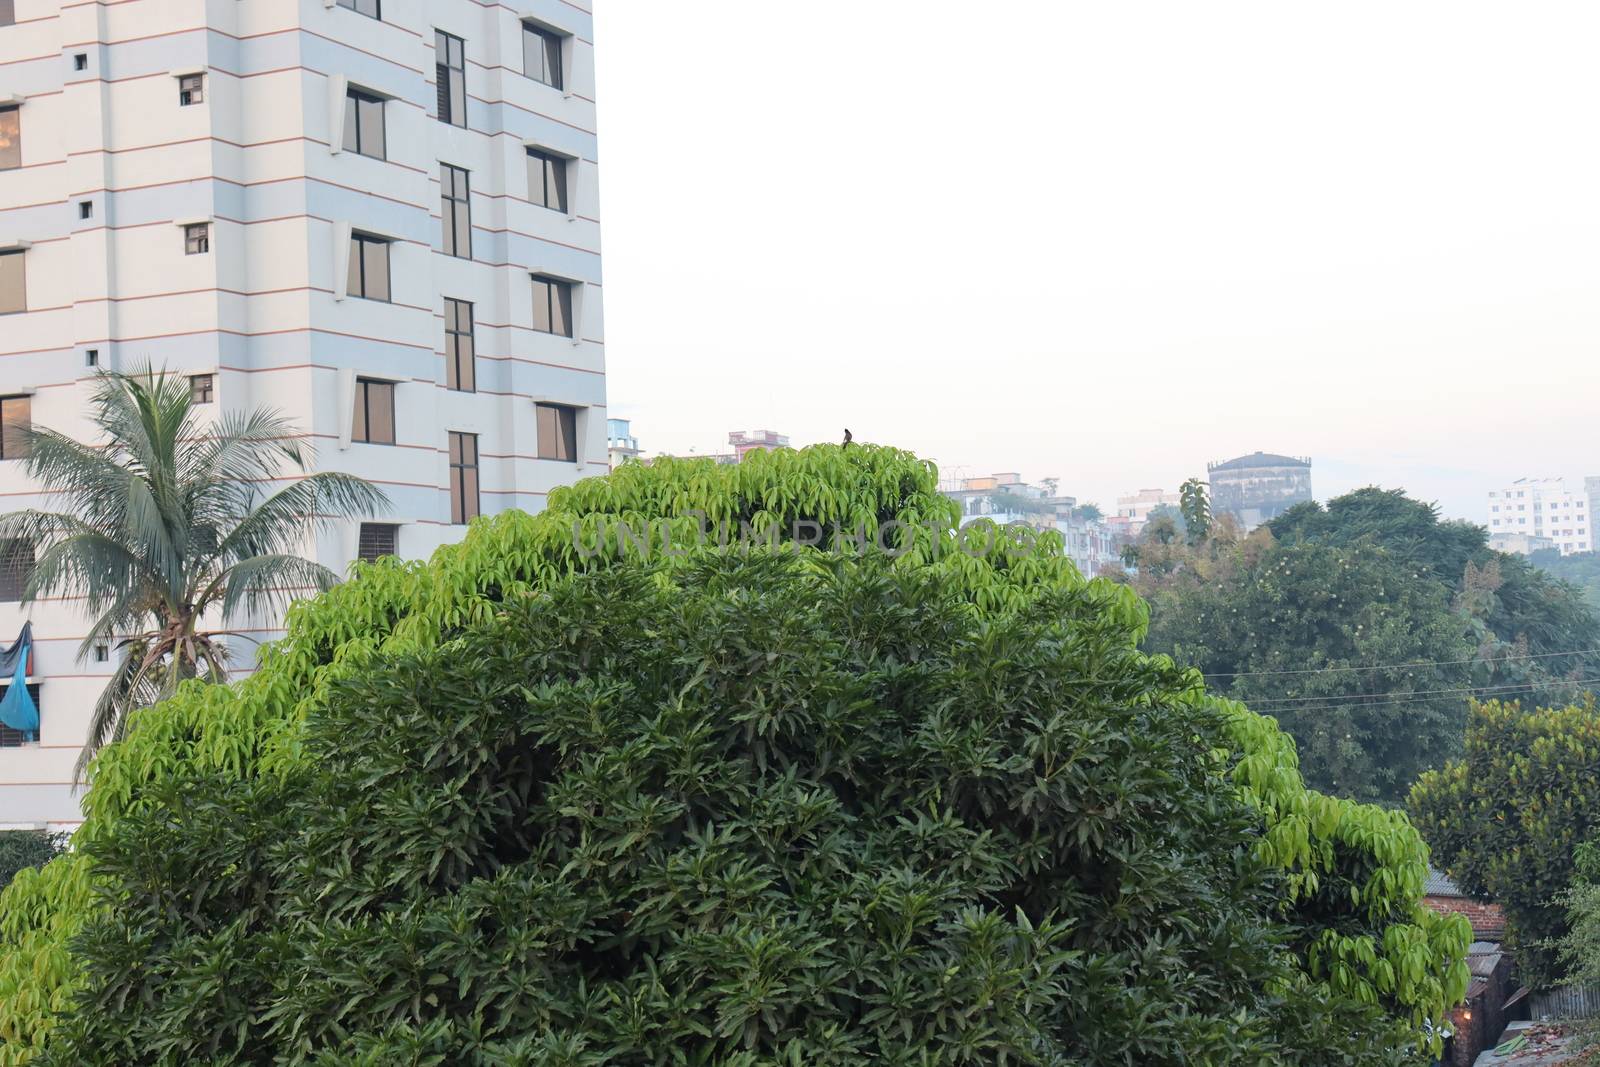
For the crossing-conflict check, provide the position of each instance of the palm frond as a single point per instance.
(270, 582)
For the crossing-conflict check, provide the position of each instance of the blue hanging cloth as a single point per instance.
(17, 709)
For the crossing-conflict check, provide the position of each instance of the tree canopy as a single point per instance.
(1507, 819)
(545, 800)
(1364, 627)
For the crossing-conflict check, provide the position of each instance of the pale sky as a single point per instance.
(1110, 241)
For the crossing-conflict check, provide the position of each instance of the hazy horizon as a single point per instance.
(1111, 243)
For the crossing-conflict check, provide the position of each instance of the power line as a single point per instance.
(1399, 666)
(1353, 700)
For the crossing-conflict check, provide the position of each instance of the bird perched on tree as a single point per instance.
(848, 437)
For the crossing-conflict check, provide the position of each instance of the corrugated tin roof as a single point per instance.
(1440, 885)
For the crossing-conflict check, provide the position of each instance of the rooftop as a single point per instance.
(1259, 459)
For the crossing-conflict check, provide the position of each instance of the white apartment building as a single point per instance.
(1540, 508)
(378, 216)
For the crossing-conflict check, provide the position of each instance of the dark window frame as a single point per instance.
(16, 567)
(358, 5)
(11, 155)
(191, 89)
(362, 425)
(553, 176)
(556, 296)
(561, 422)
(455, 210)
(460, 346)
(372, 537)
(450, 78)
(197, 239)
(359, 243)
(202, 388)
(551, 53)
(464, 475)
(356, 101)
(12, 444)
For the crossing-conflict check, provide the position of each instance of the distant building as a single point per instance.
(742, 444)
(620, 442)
(1259, 487)
(1544, 510)
(1136, 508)
(1519, 544)
(1006, 499)
(745, 443)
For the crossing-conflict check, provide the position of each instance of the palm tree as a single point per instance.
(168, 522)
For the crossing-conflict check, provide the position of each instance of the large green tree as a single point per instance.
(1365, 627)
(166, 532)
(543, 801)
(1508, 818)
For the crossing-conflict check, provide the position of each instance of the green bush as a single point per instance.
(532, 804)
(1507, 820)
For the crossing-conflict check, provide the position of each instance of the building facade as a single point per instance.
(1134, 509)
(1544, 511)
(621, 445)
(1258, 488)
(379, 217)
(1006, 499)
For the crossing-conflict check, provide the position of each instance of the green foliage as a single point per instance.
(1196, 507)
(1507, 820)
(165, 523)
(1363, 627)
(1581, 569)
(1579, 953)
(22, 850)
(536, 802)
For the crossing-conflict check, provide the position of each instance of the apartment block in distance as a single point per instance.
(1539, 513)
(378, 216)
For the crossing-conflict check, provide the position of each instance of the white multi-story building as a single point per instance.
(378, 216)
(1540, 508)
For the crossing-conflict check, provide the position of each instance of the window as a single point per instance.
(197, 239)
(86, 209)
(10, 738)
(91, 358)
(376, 541)
(363, 124)
(16, 567)
(10, 137)
(191, 89)
(16, 419)
(460, 370)
(552, 306)
(370, 8)
(541, 55)
(374, 418)
(558, 432)
(202, 389)
(547, 180)
(463, 477)
(8, 13)
(13, 284)
(369, 267)
(450, 76)
(80, 61)
(456, 210)
(102, 653)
